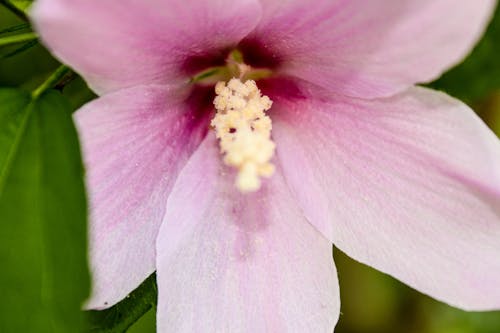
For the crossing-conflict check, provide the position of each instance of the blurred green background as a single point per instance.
(371, 301)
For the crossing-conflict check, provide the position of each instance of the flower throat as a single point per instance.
(240, 123)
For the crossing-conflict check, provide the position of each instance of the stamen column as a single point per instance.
(244, 131)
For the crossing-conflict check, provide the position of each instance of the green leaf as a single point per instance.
(120, 317)
(22, 48)
(15, 28)
(14, 39)
(22, 4)
(44, 277)
(479, 74)
(18, 7)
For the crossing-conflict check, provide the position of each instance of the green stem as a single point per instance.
(123, 315)
(18, 38)
(15, 28)
(211, 75)
(18, 12)
(20, 49)
(51, 81)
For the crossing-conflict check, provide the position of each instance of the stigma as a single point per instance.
(244, 131)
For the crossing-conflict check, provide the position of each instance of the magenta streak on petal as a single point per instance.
(135, 141)
(256, 54)
(198, 62)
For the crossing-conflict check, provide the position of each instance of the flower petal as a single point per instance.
(369, 48)
(134, 141)
(409, 185)
(121, 43)
(230, 262)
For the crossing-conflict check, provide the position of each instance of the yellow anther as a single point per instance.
(244, 131)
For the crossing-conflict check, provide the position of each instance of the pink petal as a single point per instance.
(121, 43)
(135, 141)
(229, 262)
(369, 48)
(409, 185)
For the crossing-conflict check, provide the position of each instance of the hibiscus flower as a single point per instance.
(321, 138)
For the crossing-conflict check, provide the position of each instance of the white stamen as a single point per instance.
(244, 131)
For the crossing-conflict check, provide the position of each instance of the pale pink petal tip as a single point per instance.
(409, 185)
(229, 262)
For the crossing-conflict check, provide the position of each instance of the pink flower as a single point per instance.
(402, 178)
